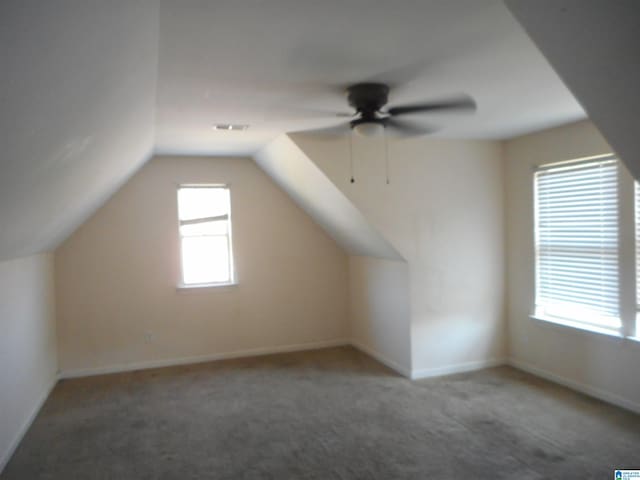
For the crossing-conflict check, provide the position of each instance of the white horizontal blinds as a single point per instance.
(577, 242)
(204, 217)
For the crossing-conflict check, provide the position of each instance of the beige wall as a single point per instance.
(116, 276)
(600, 365)
(379, 310)
(443, 212)
(27, 345)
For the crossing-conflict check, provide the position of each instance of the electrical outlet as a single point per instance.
(148, 337)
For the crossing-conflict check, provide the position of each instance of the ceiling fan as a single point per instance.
(371, 116)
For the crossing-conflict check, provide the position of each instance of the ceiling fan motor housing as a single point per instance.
(368, 98)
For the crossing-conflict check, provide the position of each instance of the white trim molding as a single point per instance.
(417, 374)
(588, 390)
(171, 362)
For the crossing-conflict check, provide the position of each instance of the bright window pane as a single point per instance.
(205, 259)
(201, 202)
(205, 228)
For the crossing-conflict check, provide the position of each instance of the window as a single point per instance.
(204, 216)
(637, 242)
(576, 244)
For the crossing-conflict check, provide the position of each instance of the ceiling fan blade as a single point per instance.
(406, 128)
(286, 113)
(460, 103)
(340, 129)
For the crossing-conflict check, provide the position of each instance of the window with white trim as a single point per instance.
(636, 331)
(576, 244)
(204, 215)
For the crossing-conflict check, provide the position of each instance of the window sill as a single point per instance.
(578, 326)
(205, 287)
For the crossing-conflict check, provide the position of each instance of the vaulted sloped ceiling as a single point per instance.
(317, 195)
(594, 47)
(79, 111)
(77, 100)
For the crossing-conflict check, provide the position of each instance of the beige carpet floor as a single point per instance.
(326, 414)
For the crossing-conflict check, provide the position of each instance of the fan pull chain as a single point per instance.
(386, 157)
(353, 180)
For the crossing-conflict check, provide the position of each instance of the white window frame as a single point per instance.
(627, 242)
(633, 330)
(232, 272)
(622, 269)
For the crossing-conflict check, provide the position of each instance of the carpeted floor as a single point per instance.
(327, 414)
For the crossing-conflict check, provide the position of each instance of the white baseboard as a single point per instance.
(456, 368)
(428, 372)
(171, 362)
(404, 371)
(580, 387)
(6, 456)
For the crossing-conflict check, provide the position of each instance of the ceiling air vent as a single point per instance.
(230, 126)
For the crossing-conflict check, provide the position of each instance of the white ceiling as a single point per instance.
(77, 96)
(78, 92)
(261, 62)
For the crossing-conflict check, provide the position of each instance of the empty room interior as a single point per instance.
(347, 239)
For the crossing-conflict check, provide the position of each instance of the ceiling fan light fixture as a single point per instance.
(369, 129)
